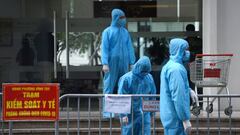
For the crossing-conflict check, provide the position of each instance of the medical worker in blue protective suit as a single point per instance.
(117, 52)
(175, 91)
(137, 81)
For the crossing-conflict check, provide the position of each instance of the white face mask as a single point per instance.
(186, 56)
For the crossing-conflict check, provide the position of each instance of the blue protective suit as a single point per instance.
(137, 81)
(174, 90)
(117, 52)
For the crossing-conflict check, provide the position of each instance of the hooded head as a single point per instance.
(118, 18)
(142, 67)
(177, 50)
(190, 27)
(25, 43)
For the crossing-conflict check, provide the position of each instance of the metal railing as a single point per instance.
(85, 107)
(219, 114)
(195, 119)
(100, 99)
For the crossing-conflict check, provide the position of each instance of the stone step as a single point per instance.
(47, 128)
(115, 131)
(105, 123)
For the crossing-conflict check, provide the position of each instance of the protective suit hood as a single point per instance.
(142, 67)
(177, 48)
(116, 14)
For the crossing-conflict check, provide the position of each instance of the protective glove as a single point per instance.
(105, 68)
(125, 120)
(187, 127)
(193, 96)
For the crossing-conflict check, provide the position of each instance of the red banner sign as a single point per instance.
(27, 101)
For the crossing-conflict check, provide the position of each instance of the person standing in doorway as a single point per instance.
(26, 55)
(195, 47)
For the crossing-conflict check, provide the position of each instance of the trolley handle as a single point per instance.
(202, 55)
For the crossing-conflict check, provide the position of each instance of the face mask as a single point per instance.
(186, 56)
(144, 73)
(122, 22)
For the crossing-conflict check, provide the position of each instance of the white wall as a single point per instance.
(221, 34)
(228, 39)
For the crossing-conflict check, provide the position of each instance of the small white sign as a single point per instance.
(150, 105)
(117, 103)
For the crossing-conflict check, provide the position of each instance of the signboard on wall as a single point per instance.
(133, 9)
(27, 101)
